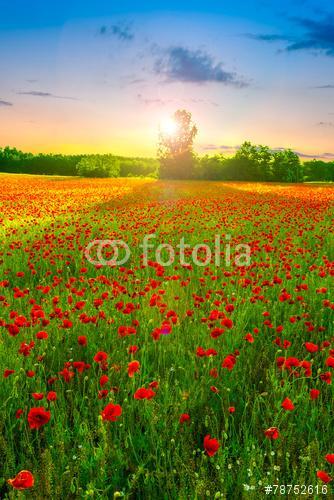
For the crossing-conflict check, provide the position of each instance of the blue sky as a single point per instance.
(101, 76)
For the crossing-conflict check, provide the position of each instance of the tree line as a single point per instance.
(251, 162)
(16, 161)
(176, 160)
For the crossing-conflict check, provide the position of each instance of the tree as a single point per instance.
(318, 170)
(286, 167)
(98, 166)
(175, 150)
(254, 161)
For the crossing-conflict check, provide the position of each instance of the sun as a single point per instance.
(168, 126)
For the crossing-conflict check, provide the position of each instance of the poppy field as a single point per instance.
(165, 382)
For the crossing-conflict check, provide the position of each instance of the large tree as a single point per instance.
(254, 161)
(175, 149)
(286, 167)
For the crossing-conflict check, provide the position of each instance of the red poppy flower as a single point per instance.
(216, 332)
(22, 480)
(330, 458)
(311, 347)
(82, 340)
(100, 357)
(211, 445)
(326, 377)
(13, 330)
(330, 362)
(144, 393)
(7, 373)
(185, 417)
(231, 409)
(288, 404)
(272, 433)
(37, 396)
(314, 393)
(67, 323)
(37, 417)
(52, 380)
(111, 412)
(229, 362)
(227, 322)
(133, 367)
(103, 393)
(307, 367)
(104, 379)
(42, 335)
(67, 374)
(323, 476)
(200, 352)
(214, 373)
(211, 352)
(51, 396)
(80, 366)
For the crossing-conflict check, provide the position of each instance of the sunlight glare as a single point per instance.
(168, 126)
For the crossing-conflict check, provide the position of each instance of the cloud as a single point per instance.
(5, 104)
(266, 37)
(148, 101)
(201, 101)
(36, 93)
(328, 86)
(325, 124)
(222, 148)
(163, 102)
(214, 147)
(120, 31)
(136, 81)
(319, 36)
(317, 156)
(195, 66)
(323, 156)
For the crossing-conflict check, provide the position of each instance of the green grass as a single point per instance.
(147, 454)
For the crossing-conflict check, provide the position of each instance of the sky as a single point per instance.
(102, 76)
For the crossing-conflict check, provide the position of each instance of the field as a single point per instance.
(242, 353)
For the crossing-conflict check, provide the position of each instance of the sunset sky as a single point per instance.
(99, 76)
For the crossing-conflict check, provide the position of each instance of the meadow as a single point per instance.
(165, 382)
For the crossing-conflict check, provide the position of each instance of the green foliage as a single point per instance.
(16, 161)
(99, 166)
(138, 167)
(177, 161)
(250, 163)
(256, 161)
(183, 166)
(286, 167)
(253, 163)
(317, 170)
